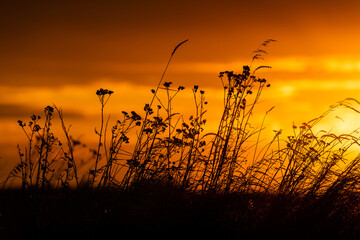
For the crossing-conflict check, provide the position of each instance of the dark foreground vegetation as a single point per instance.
(162, 212)
(178, 181)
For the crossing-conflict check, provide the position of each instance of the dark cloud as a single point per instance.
(22, 112)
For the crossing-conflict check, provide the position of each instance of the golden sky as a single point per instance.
(61, 52)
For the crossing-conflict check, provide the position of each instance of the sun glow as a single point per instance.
(342, 121)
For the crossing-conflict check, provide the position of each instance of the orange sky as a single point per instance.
(63, 52)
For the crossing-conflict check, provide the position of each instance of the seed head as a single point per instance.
(101, 92)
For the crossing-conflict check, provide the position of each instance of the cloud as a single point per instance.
(16, 111)
(22, 112)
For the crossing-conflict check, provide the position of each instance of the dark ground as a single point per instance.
(164, 212)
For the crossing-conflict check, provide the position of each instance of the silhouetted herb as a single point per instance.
(309, 174)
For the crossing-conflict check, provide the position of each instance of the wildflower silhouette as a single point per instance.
(104, 96)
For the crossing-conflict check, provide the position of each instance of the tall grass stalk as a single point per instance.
(141, 143)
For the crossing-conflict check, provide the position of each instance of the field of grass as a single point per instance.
(162, 211)
(178, 180)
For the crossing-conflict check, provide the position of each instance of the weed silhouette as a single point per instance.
(179, 176)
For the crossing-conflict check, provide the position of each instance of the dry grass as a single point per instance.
(304, 182)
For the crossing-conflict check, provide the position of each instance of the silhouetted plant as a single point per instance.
(229, 147)
(171, 149)
(114, 161)
(104, 96)
(284, 182)
(147, 147)
(38, 163)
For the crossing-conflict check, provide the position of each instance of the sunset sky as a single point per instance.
(61, 52)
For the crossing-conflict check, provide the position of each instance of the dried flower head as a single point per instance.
(167, 84)
(103, 92)
(196, 87)
(135, 116)
(49, 109)
(21, 123)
